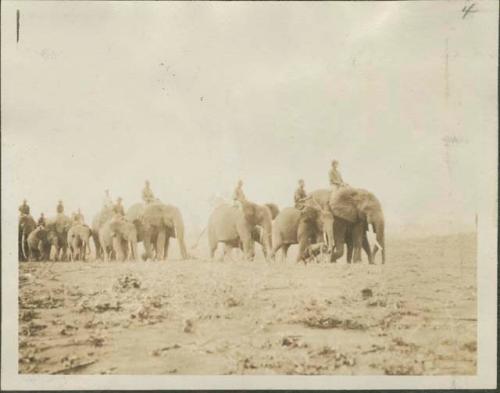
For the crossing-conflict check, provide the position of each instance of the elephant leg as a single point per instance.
(350, 247)
(213, 248)
(284, 252)
(167, 242)
(133, 246)
(303, 244)
(118, 248)
(357, 238)
(160, 245)
(275, 249)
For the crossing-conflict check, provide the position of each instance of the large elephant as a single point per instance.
(354, 210)
(39, 244)
(58, 228)
(125, 238)
(156, 223)
(79, 241)
(234, 227)
(99, 220)
(319, 199)
(27, 225)
(293, 226)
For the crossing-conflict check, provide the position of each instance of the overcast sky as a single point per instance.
(194, 96)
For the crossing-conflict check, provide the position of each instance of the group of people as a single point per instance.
(300, 195)
(334, 177)
(77, 217)
(148, 196)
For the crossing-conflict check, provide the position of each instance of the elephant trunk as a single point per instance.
(267, 238)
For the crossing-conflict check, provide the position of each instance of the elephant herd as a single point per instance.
(330, 219)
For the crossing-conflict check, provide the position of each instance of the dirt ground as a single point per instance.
(414, 315)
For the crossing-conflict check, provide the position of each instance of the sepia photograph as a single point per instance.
(249, 194)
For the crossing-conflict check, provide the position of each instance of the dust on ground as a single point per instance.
(415, 315)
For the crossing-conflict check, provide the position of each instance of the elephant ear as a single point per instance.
(370, 207)
(274, 209)
(309, 213)
(251, 213)
(344, 204)
(153, 214)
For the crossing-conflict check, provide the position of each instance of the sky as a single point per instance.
(194, 96)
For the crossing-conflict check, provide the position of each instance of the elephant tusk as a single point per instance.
(378, 245)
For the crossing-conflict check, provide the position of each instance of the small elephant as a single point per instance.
(293, 226)
(354, 210)
(125, 246)
(58, 227)
(39, 244)
(79, 241)
(156, 223)
(233, 227)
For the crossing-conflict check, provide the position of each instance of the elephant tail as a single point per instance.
(195, 245)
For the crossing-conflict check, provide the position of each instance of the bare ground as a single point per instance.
(415, 315)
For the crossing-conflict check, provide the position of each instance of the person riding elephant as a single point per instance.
(125, 238)
(98, 221)
(356, 210)
(293, 226)
(300, 194)
(60, 208)
(59, 226)
(319, 199)
(26, 225)
(79, 241)
(235, 226)
(147, 193)
(238, 194)
(156, 223)
(39, 244)
(335, 177)
(118, 207)
(41, 220)
(24, 209)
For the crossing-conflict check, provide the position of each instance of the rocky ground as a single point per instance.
(415, 315)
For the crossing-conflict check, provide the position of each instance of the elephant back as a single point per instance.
(135, 212)
(321, 197)
(104, 215)
(60, 223)
(273, 209)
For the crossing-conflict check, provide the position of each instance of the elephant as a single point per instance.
(258, 231)
(234, 227)
(79, 241)
(156, 223)
(293, 226)
(58, 228)
(39, 244)
(27, 225)
(125, 232)
(99, 220)
(319, 199)
(105, 236)
(354, 210)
